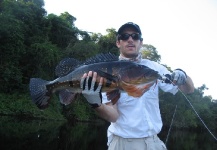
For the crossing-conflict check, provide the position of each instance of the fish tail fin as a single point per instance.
(66, 97)
(39, 93)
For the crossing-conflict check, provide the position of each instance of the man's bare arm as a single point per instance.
(188, 87)
(108, 112)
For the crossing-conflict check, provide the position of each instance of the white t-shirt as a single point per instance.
(140, 117)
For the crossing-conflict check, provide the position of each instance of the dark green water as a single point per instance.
(50, 135)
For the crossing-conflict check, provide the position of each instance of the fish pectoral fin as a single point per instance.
(107, 75)
(113, 96)
(66, 97)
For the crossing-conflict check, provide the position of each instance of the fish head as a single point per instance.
(138, 74)
(136, 79)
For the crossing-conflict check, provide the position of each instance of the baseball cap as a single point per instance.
(129, 24)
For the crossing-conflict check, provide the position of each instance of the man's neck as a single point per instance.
(138, 58)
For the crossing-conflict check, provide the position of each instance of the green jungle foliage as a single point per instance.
(32, 43)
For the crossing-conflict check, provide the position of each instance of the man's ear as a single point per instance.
(118, 44)
(141, 43)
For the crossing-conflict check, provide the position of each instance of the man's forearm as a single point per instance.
(108, 112)
(188, 87)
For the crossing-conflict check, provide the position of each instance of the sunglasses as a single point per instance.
(126, 36)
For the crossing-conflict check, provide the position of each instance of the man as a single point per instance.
(135, 122)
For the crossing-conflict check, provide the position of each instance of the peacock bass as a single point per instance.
(118, 76)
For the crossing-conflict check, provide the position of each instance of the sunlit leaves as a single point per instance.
(150, 52)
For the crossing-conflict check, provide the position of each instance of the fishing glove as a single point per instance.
(179, 76)
(91, 92)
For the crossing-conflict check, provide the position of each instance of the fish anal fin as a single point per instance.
(66, 97)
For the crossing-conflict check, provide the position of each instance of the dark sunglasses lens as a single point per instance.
(126, 36)
(135, 36)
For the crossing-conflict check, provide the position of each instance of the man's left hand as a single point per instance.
(179, 77)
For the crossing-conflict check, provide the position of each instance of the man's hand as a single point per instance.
(90, 91)
(179, 77)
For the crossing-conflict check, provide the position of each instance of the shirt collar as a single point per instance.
(136, 59)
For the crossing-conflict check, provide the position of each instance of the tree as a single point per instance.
(107, 43)
(201, 89)
(61, 30)
(81, 50)
(150, 52)
(12, 48)
(22, 31)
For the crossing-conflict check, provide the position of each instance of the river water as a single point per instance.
(16, 134)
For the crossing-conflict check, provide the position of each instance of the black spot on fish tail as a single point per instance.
(39, 94)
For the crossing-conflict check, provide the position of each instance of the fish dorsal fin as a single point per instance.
(108, 57)
(65, 66)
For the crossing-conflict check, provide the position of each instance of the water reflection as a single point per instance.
(189, 140)
(56, 135)
(51, 135)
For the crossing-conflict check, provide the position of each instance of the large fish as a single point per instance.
(118, 76)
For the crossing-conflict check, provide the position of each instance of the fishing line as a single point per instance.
(198, 115)
(170, 125)
(194, 110)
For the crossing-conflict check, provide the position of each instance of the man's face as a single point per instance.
(130, 47)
